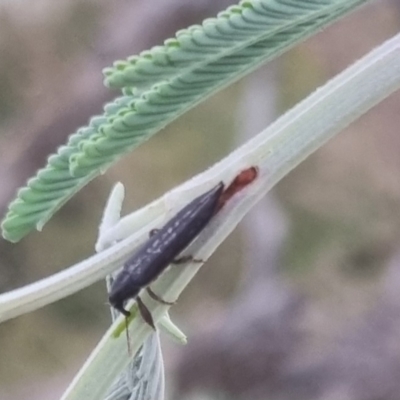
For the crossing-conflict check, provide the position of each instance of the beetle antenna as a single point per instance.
(128, 342)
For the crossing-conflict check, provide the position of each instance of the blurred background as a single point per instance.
(302, 301)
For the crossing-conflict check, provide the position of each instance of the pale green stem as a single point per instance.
(275, 151)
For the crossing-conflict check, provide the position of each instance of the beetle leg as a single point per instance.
(145, 313)
(153, 232)
(186, 259)
(158, 298)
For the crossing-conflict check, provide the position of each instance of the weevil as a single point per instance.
(161, 250)
(168, 242)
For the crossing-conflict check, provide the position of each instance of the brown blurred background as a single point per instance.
(303, 301)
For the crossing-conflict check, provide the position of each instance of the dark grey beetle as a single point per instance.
(161, 250)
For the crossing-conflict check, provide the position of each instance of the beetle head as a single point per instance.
(121, 291)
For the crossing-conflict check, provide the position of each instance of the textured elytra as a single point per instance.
(163, 247)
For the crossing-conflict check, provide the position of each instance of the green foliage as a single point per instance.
(168, 80)
(132, 118)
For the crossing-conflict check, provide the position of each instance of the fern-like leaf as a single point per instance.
(135, 117)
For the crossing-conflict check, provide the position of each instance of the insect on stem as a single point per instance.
(165, 244)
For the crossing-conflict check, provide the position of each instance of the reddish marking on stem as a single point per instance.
(244, 178)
